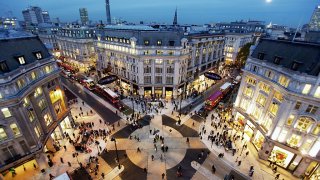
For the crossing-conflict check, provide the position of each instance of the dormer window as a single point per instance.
(171, 43)
(159, 42)
(146, 42)
(277, 60)
(38, 55)
(4, 67)
(21, 60)
(295, 65)
(261, 56)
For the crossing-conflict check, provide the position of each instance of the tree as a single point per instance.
(243, 55)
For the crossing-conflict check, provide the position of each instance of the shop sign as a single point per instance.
(212, 76)
(107, 79)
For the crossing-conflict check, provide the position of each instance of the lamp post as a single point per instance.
(132, 105)
(115, 144)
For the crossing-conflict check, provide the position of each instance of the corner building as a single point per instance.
(278, 105)
(34, 111)
(149, 61)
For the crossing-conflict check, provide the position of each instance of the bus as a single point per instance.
(89, 84)
(225, 88)
(109, 95)
(213, 100)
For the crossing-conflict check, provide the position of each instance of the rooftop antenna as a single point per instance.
(296, 30)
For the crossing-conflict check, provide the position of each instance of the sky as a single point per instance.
(284, 12)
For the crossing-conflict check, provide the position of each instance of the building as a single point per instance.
(278, 105)
(314, 24)
(155, 62)
(241, 27)
(108, 12)
(34, 111)
(233, 44)
(47, 34)
(33, 15)
(9, 23)
(84, 16)
(46, 17)
(76, 46)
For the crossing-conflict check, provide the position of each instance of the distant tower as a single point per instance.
(314, 24)
(175, 19)
(84, 16)
(108, 12)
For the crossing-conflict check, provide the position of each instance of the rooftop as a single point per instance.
(299, 56)
(131, 27)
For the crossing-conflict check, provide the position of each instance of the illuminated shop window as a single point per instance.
(47, 119)
(304, 123)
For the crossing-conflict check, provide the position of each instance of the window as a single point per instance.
(158, 79)
(158, 52)
(277, 95)
(304, 123)
(261, 56)
(294, 140)
(306, 146)
(290, 120)
(269, 74)
(171, 43)
(158, 70)
(147, 69)
(251, 81)
(6, 112)
(257, 113)
(244, 104)
(317, 93)
(295, 65)
(254, 68)
(4, 67)
(21, 60)
(312, 109)
(277, 60)
(159, 61)
(147, 79)
(15, 129)
(264, 87)
(37, 92)
(283, 81)
(146, 61)
(31, 115)
(33, 75)
(316, 130)
(42, 104)
(21, 83)
(267, 122)
(159, 42)
(169, 80)
(170, 53)
(48, 69)
(306, 89)
(298, 105)
(37, 131)
(261, 99)
(274, 107)
(146, 42)
(3, 134)
(47, 118)
(282, 135)
(170, 70)
(38, 55)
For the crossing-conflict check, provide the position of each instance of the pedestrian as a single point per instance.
(163, 175)
(152, 157)
(239, 163)
(83, 103)
(69, 164)
(247, 153)
(277, 176)
(51, 176)
(192, 123)
(275, 169)
(213, 169)
(166, 148)
(65, 147)
(138, 149)
(34, 165)
(187, 140)
(61, 159)
(251, 172)
(145, 170)
(102, 175)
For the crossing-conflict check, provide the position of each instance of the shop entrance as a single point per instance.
(313, 171)
(258, 140)
(248, 131)
(158, 92)
(281, 156)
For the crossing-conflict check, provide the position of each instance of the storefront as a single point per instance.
(169, 92)
(313, 171)
(158, 92)
(258, 140)
(147, 91)
(66, 124)
(281, 156)
(239, 119)
(248, 130)
(125, 85)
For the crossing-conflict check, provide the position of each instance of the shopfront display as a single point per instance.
(239, 119)
(66, 124)
(169, 92)
(313, 171)
(158, 91)
(281, 156)
(147, 91)
(125, 85)
(248, 131)
(258, 140)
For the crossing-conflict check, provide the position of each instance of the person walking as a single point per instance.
(152, 157)
(102, 175)
(163, 175)
(213, 169)
(61, 160)
(187, 140)
(277, 176)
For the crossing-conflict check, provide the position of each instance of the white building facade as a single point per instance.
(233, 44)
(278, 105)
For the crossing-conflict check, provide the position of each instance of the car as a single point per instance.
(202, 112)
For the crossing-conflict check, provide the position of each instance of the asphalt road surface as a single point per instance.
(103, 111)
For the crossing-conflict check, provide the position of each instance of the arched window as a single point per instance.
(304, 123)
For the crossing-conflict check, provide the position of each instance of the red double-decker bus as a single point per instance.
(109, 95)
(213, 100)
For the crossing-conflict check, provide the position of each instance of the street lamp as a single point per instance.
(132, 105)
(115, 144)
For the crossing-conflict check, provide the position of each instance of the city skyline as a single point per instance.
(279, 12)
